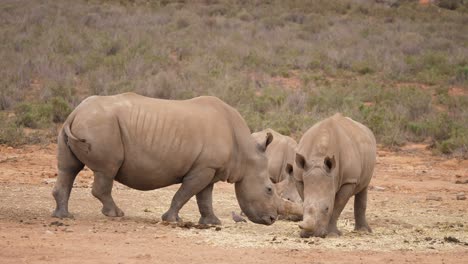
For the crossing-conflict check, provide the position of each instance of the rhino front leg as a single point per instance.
(341, 199)
(102, 188)
(360, 204)
(193, 183)
(205, 205)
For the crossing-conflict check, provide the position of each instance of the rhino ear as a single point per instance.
(329, 163)
(263, 144)
(301, 162)
(289, 169)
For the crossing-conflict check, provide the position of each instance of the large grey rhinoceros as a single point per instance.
(147, 143)
(281, 154)
(336, 158)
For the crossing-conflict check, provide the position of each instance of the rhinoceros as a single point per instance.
(281, 154)
(336, 159)
(146, 144)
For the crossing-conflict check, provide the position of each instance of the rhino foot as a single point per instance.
(334, 232)
(170, 217)
(364, 228)
(209, 220)
(113, 212)
(62, 214)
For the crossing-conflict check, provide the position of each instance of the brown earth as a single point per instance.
(412, 209)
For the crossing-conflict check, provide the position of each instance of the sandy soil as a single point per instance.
(412, 209)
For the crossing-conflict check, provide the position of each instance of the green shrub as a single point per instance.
(60, 109)
(462, 75)
(10, 133)
(41, 115)
(33, 115)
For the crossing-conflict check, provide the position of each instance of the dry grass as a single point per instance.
(316, 58)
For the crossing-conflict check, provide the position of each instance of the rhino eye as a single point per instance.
(269, 190)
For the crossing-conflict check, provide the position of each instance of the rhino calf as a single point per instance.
(281, 154)
(147, 143)
(336, 157)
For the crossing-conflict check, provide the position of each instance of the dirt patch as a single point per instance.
(407, 226)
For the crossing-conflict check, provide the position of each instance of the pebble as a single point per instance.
(461, 196)
(378, 188)
(48, 181)
(433, 198)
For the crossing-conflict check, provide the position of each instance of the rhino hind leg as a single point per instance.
(205, 205)
(68, 167)
(102, 188)
(61, 192)
(360, 204)
(341, 199)
(193, 183)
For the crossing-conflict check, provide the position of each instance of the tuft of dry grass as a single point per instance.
(350, 56)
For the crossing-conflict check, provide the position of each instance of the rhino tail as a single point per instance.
(74, 142)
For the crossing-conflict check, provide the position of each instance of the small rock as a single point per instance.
(461, 196)
(433, 198)
(143, 256)
(56, 223)
(274, 238)
(451, 239)
(378, 188)
(49, 181)
(48, 232)
(218, 228)
(461, 181)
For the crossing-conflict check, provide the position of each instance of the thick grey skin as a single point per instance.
(147, 144)
(281, 154)
(281, 161)
(336, 159)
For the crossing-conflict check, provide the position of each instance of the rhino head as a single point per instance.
(316, 186)
(287, 187)
(255, 192)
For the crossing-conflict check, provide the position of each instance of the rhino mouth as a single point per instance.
(268, 220)
(264, 220)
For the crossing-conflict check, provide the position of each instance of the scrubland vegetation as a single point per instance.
(399, 67)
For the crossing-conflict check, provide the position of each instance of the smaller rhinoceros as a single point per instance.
(281, 154)
(336, 159)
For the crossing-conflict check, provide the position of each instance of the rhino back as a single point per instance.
(161, 140)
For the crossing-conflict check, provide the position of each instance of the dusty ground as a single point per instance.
(407, 226)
